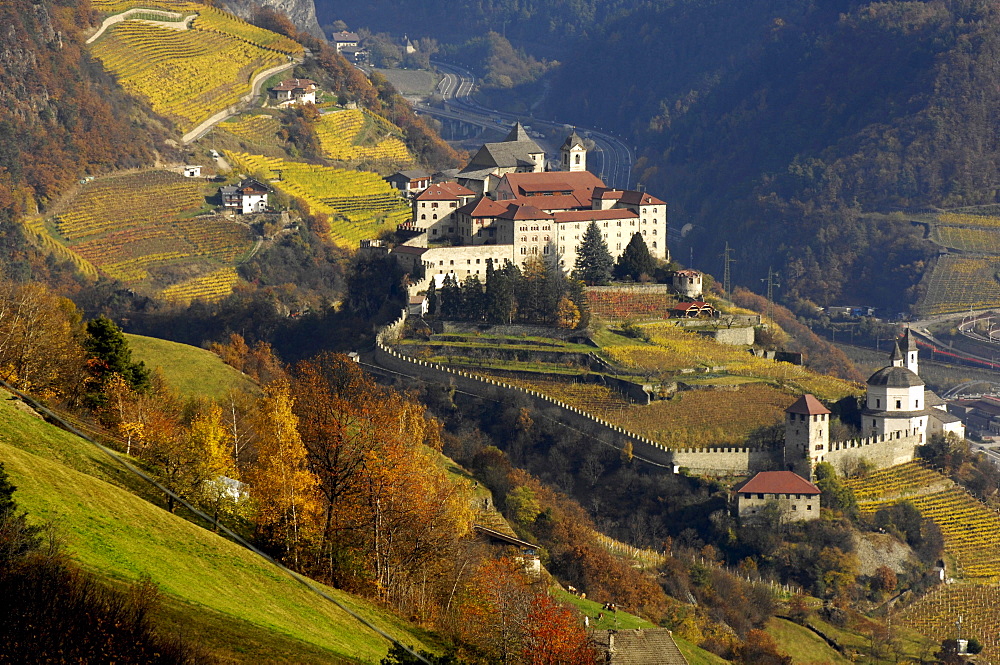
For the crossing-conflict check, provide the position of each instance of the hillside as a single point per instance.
(215, 590)
(778, 123)
(191, 371)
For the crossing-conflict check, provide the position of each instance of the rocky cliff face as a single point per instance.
(301, 12)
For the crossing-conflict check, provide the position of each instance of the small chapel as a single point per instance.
(899, 414)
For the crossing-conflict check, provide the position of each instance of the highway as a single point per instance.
(611, 157)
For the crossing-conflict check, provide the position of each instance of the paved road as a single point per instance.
(612, 156)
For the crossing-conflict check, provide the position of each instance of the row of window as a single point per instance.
(899, 404)
(434, 204)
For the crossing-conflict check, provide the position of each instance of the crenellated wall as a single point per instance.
(727, 461)
(882, 450)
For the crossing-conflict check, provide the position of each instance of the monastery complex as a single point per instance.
(505, 206)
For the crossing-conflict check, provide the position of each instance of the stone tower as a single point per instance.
(573, 153)
(807, 435)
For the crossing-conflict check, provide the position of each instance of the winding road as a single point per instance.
(612, 158)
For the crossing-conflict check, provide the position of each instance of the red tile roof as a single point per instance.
(688, 306)
(594, 215)
(518, 212)
(444, 191)
(295, 84)
(484, 207)
(778, 482)
(808, 405)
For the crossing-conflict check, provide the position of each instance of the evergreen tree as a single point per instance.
(593, 260)
(473, 299)
(432, 297)
(635, 261)
(451, 296)
(109, 354)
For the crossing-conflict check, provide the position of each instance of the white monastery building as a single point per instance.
(506, 207)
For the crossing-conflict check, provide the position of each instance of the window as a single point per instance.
(878, 403)
(644, 211)
(916, 404)
(477, 262)
(423, 217)
(534, 238)
(899, 404)
(545, 228)
(453, 262)
(873, 422)
(434, 232)
(434, 205)
(618, 246)
(654, 232)
(654, 244)
(524, 238)
(434, 216)
(534, 228)
(819, 446)
(546, 238)
(545, 250)
(576, 226)
(760, 496)
(451, 229)
(578, 159)
(794, 507)
(524, 250)
(453, 205)
(809, 506)
(619, 222)
(644, 232)
(534, 250)
(468, 262)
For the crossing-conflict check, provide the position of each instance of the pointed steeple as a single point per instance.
(908, 345)
(572, 140)
(897, 358)
(517, 133)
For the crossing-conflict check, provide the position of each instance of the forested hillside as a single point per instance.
(774, 125)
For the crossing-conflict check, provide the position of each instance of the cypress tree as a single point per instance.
(593, 260)
(635, 261)
(432, 298)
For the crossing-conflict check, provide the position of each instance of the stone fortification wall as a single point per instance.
(883, 450)
(727, 461)
(643, 448)
(737, 336)
(633, 288)
(706, 461)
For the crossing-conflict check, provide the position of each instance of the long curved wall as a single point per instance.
(709, 461)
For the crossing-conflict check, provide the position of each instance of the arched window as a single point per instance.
(578, 159)
(434, 216)
(524, 250)
(423, 217)
(654, 244)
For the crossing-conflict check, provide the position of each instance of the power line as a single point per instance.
(308, 583)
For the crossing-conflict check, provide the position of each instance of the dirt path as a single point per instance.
(181, 24)
(255, 85)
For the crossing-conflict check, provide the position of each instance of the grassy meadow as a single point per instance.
(190, 371)
(211, 587)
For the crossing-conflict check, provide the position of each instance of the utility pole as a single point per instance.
(727, 283)
(772, 282)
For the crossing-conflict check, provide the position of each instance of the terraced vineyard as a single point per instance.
(187, 76)
(673, 349)
(695, 418)
(964, 219)
(118, 6)
(983, 241)
(261, 129)
(211, 19)
(126, 224)
(341, 136)
(958, 283)
(210, 287)
(978, 604)
(971, 530)
(897, 481)
(360, 204)
(629, 304)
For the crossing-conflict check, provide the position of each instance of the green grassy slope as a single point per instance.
(246, 609)
(803, 645)
(191, 371)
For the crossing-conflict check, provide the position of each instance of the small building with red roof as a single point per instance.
(295, 91)
(796, 498)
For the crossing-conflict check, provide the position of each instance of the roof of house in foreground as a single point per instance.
(640, 646)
